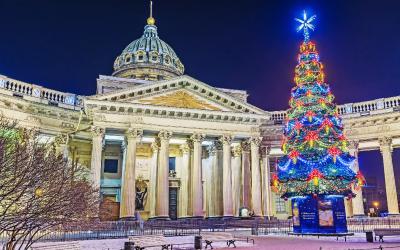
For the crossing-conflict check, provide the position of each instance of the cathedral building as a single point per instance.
(166, 145)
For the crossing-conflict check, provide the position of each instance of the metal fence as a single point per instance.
(121, 229)
(360, 225)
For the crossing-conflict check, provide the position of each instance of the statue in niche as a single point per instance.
(141, 193)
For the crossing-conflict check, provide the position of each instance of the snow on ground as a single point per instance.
(270, 242)
(118, 244)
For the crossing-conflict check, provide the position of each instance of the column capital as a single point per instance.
(61, 139)
(226, 139)
(155, 145)
(255, 140)
(165, 135)
(134, 133)
(265, 150)
(97, 131)
(245, 146)
(197, 137)
(353, 144)
(385, 142)
(237, 151)
(185, 148)
(214, 147)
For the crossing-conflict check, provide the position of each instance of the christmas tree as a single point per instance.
(316, 160)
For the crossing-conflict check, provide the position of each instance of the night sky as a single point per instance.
(251, 45)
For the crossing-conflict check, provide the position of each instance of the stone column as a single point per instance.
(162, 203)
(266, 183)
(95, 162)
(217, 176)
(255, 176)
(128, 189)
(227, 176)
(246, 174)
(155, 146)
(348, 206)
(390, 181)
(184, 189)
(197, 183)
(357, 202)
(236, 178)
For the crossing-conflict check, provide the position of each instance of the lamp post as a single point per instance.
(376, 206)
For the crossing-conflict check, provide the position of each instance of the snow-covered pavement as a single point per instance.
(270, 242)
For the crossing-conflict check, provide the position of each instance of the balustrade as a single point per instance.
(27, 89)
(363, 108)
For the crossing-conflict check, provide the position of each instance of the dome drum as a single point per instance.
(148, 52)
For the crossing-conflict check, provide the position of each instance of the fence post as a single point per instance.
(363, 227)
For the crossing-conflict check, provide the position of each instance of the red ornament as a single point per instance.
(334, 152)
(298, 125)
(315, 175)
(293, 155)
(310, 114)
(311, 137)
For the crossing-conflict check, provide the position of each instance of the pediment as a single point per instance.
(181, 92)
(180, 99)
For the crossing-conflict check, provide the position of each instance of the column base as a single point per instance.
(191, 218)
(216, 217)
(130, 218)
(160, 218)
(228, 217)
(394, 215)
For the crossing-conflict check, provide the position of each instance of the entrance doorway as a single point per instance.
(173, 203)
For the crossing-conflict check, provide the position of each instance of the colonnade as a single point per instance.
(239, 176)
(356, 206)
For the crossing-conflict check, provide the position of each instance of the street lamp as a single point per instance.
(376, 205)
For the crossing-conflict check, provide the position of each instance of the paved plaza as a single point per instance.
(271, 242)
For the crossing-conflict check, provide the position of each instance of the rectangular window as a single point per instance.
(172, 161)
(111, 166)
(280, 205)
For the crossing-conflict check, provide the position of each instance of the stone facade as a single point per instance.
(169, 146)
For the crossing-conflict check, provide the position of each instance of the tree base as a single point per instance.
(322, 214)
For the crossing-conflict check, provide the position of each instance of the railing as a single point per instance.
(361, 225)
(363, 108)
(39, 93)
(120, 229)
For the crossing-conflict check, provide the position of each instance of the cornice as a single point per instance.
(200, 88)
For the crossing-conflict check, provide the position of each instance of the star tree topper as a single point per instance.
(305, 25)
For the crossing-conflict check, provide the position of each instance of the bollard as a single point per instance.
(197, 242)
(129, 245)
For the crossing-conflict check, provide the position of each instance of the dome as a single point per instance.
(148, 58)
